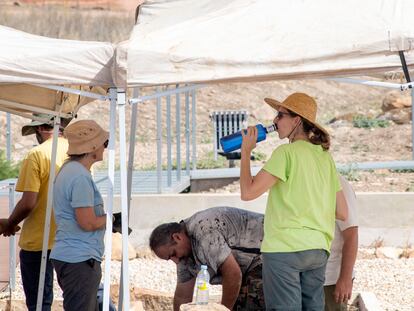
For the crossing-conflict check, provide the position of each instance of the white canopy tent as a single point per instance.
(185, 41)
(54, 76)
(203, 41)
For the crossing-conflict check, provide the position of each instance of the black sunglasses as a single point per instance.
(280, 114)
(106, 143)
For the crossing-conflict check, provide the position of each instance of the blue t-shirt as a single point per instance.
(74, 188)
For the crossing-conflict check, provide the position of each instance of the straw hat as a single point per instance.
(30, 128)
(85, 136)
(301, 104)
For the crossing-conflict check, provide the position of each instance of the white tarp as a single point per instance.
(30, 59)
(178, 41)
(27, 58)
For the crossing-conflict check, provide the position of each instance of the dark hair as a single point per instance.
(315, 135)
(76, 157)
(162, 234)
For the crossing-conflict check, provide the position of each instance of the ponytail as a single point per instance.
(316, 136)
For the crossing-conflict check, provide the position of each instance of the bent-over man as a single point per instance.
(225, 239)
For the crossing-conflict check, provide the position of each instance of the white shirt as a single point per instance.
(333, 267)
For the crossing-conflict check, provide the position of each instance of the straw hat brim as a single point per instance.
(275, 104)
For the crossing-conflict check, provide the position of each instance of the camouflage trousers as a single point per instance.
(251, 292)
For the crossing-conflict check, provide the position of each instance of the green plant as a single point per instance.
(403, 170)
(259, 156)
(7, 168)
(350, 174)
(208, 161)
(367, 122)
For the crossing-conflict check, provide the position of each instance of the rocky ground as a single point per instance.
(379, 271)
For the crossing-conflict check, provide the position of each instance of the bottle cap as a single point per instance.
(204, 267)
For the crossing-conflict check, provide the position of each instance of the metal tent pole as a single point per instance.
(169, 159)
(193, 129)
(12, 242)
(159, 146)
(46, 233)
(131, 154)
(178, 132)
(412, 123)
(124, 288)
(8, 137)
(187, 133)
(110, 198)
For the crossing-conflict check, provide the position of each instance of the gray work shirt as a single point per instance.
(214, 234)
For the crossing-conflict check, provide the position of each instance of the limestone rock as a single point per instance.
(117, 248)
(388, 252)
(347, 117)
(150, 299)
(396, 100)
(398, 115)
(136, 306)
(209, 307)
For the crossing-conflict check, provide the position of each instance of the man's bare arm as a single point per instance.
(231, 281)
(341, 206)
(23, 209)
(183, 293)
(343, 288)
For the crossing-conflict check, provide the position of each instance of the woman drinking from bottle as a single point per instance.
(300, 215)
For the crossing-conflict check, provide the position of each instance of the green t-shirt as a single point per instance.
(300, 212)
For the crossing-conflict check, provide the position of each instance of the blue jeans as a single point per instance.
(294, 281)
(30, 270)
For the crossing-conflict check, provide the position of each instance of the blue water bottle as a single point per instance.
(233, 142)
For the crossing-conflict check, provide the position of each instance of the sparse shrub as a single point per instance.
(367, 122)
(350, 173)
(208, 161)
(403, 170)
(259, 156)
(7, 168)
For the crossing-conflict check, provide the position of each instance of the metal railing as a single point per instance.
(187, 132)
(12, 238)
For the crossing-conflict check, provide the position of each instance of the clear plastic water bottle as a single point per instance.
(202, 286)
(233, 142)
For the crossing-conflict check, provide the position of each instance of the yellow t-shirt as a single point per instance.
(34, 177)
(300, 212)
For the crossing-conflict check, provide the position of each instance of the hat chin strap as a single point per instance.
(293, 131)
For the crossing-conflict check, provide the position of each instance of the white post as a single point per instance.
(412, 123)
(124, 288)
(46, 233)
(12, 243)
(110, 198)
(132, 134)
(159, 144)
(8, 137)
(194, 129)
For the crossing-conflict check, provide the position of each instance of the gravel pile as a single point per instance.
(391, 280)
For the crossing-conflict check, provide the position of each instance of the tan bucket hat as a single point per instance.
(85, 136)
(301, 104)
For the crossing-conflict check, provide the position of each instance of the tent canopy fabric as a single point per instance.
(27, 59)
(185, 41)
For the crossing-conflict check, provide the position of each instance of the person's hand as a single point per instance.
(249, 139)
(343, 290)
(5, 228)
